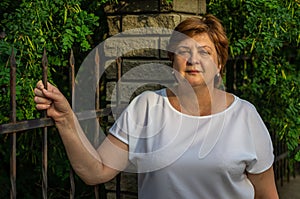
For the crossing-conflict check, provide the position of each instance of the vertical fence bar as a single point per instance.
(119, 70)
(45, 131)
(97, 106)
(72, 77)
(234, 86)
(13, 170)
(72, 184)
(72, 100)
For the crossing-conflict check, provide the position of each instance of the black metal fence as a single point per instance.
(282, 166)
(14, 127)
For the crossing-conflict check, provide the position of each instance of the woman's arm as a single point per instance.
(264, 184)
(93, 166)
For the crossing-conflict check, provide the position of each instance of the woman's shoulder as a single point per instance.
(245, 106)
(245, 103)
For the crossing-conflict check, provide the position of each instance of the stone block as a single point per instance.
(125, 92)
(128, 90)
(190, 6)
(132, 47)
(164, 41)
(185, 16)
(158, 71)
(110, 86)
(111, 70)
(166, 6)
(153, 6)
(168, 21)
(114, 25)
(132, 6)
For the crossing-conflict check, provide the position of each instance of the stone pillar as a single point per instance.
(128, 14)
(131, 14)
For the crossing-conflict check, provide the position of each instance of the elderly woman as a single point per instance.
(193, 140)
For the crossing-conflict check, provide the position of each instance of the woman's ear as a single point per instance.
(219, 64)
(219, 68)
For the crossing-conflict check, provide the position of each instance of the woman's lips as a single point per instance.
(193, 71)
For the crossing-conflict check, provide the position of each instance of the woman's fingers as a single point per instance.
(50, 87)
(38, 92)
(52, 100)
(40, 85)
(42, 100)
(42, 106)
(42, 103)
(52, 93)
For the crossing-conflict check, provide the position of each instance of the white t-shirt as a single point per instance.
(182, 156)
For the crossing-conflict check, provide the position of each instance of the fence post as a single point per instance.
(119, 75)
(72, 101)
(45, 131)
(13, 119)
(97, 106)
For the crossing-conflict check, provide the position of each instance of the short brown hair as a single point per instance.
(206, 24)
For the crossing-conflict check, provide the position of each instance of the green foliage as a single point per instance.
(30, 27)
(267, 32)
(264, 31)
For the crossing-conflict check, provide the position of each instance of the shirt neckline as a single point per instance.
(164, 94)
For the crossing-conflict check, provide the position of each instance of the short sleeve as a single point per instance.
(116, 131)
(133, 119)
(261, 142)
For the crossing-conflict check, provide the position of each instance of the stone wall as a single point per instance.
(136, 44)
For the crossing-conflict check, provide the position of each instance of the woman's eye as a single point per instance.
(203, 52)
(183, 52)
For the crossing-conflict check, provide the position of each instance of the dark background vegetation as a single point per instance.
(264, 49)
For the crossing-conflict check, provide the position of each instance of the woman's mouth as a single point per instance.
(193, 71)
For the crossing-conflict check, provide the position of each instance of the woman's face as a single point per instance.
(196, 60)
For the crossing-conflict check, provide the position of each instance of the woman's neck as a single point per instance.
(199, 101)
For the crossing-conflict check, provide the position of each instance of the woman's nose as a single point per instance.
(193, 59)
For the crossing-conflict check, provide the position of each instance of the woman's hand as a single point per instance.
(53, 101)
(88, 163)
